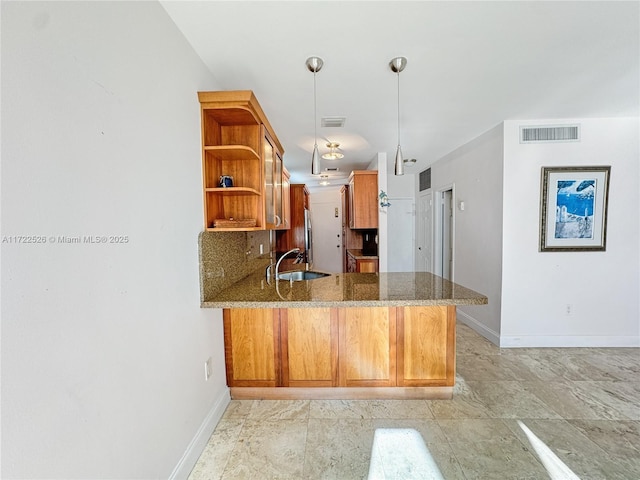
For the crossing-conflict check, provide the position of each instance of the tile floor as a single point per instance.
(583, 403)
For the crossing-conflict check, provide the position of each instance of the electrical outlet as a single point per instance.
(261, 249)
(568, 309)
(207, 369)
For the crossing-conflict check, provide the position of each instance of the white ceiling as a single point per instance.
(470, 66)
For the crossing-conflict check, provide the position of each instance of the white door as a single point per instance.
(327, 237)
(400, 224)
(424, 240)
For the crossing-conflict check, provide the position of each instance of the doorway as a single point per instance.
(327, 238)
(424, 234)
(445, 234)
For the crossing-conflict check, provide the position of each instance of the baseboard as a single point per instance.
(597, 341)
(478, 327)
(199, 441)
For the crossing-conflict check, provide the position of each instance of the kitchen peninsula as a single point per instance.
(350, 335)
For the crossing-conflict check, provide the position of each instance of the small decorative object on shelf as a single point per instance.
(384, 199)
(226, 181)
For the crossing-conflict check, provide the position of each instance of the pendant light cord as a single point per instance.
(315, 120)
(398, 108)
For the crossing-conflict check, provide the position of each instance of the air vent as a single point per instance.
(333, 122)
(550, 134)
(332, 169)
(425, 179)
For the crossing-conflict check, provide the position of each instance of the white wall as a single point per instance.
(379, 163)
(602, 287)
(401, 222)
(103, 345)
(475, 173)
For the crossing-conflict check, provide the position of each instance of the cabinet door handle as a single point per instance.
(278, 221)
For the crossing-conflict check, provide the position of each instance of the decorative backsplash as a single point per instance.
(226, 257)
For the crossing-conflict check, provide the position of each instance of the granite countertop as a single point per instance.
(345, 290)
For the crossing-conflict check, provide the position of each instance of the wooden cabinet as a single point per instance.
(295, 235)
(367, 347)
(237, 141)
(273, 169)
(252, 347)
(286, 200)
(340, 347)
(363, 199)
(309, 347)
(360, 264)
(426, 345)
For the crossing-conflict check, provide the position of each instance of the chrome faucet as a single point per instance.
(267, 272)
(293, 250)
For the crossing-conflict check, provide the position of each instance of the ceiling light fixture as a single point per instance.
(397, 65)
(333, 153)
(410, 161)
(324, 180)
(314, 64)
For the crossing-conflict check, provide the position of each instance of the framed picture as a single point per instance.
(573, 208)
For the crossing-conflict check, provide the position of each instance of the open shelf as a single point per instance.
(233, 190)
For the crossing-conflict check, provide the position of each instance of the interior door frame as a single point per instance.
(438, 229)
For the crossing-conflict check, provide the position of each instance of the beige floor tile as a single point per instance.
(269, 449)
(583, 456)
(279, 410)
(583, 403)
(213, 460)
(495, 459)
(511, 400)
(476, 430)
(370, 409)
(616, 437)
(238, 409)
(338, 448)
(571, 402)
(429, 429)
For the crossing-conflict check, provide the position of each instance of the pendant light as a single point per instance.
(314, 64)
(397, 65)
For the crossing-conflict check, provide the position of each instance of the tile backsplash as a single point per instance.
(226, 257)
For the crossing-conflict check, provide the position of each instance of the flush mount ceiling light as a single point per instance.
(324, 180)
(409, 161)
(333, 153)
(314, 64)
(397, 65)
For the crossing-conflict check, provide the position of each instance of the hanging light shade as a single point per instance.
(397, 65)
(314, 64)
(333, 153)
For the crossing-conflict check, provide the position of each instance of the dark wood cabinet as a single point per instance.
(363, 199)
(294, 236)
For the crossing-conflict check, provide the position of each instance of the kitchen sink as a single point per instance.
(301, 275)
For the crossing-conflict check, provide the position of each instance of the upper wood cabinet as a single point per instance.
(238, 141)
(363, 199)
(273, 168)
(295, 234)
(286, 200)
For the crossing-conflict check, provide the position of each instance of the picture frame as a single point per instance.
(573, 208)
